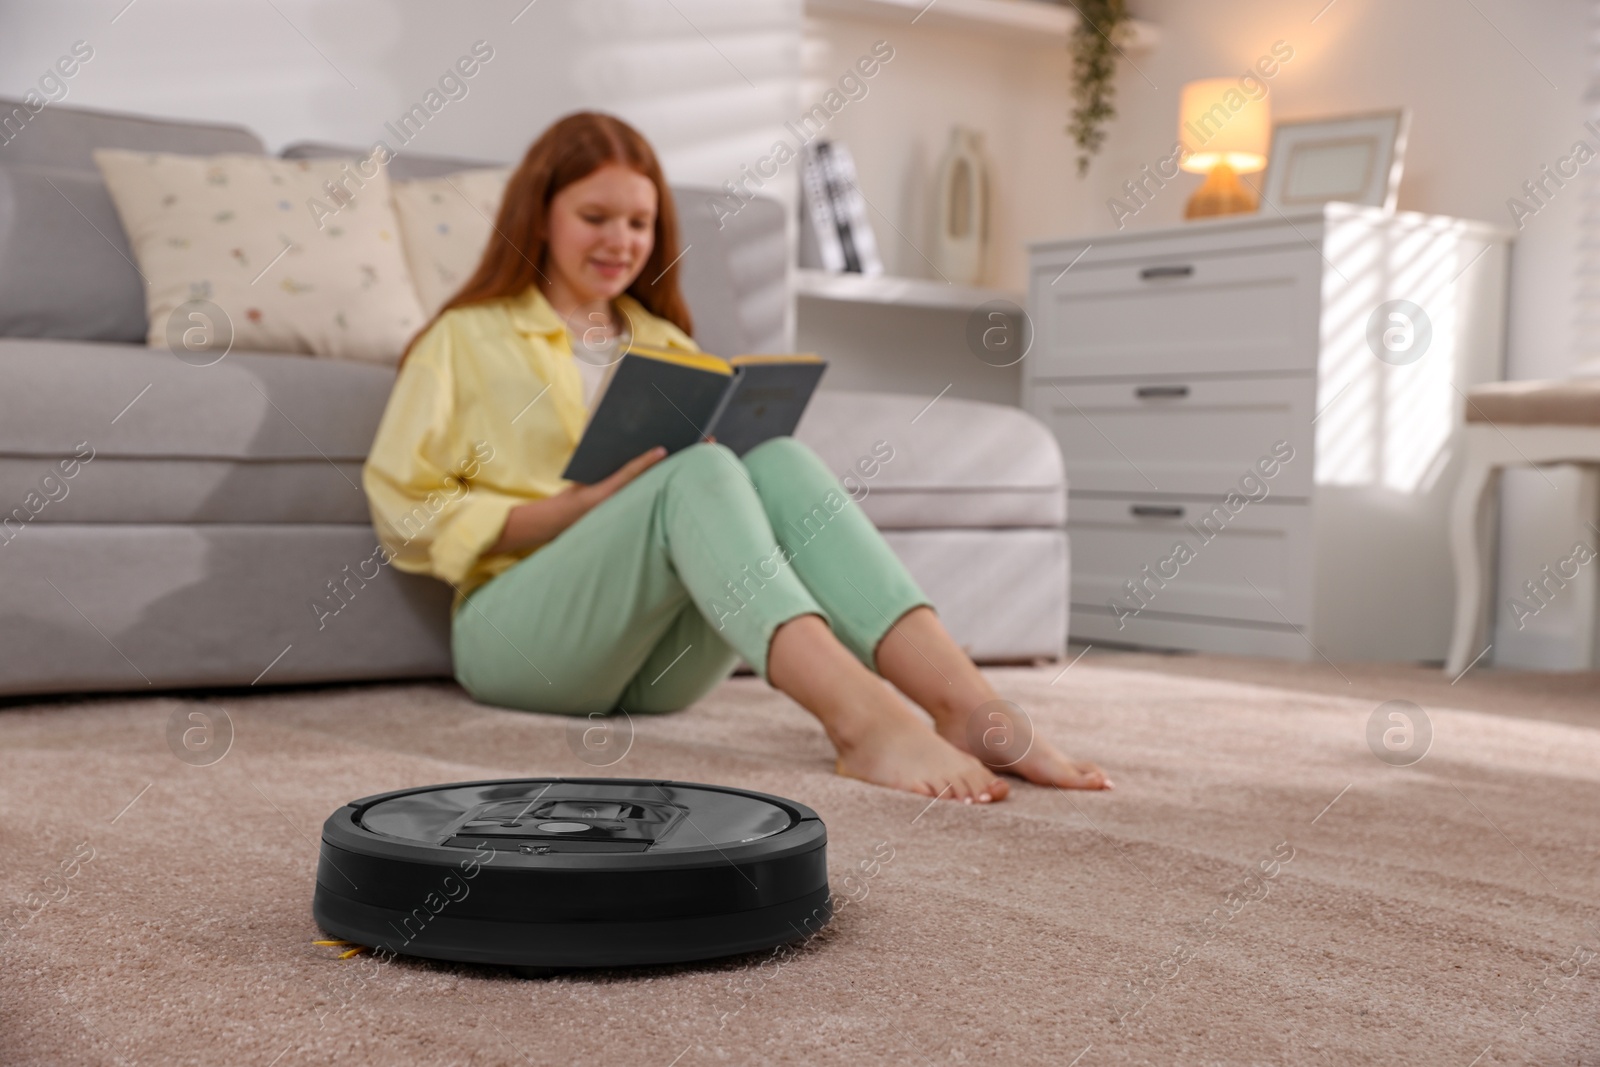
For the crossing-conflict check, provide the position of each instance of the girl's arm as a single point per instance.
(540, 521)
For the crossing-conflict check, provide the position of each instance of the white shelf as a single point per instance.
(1037, 20)
(896, 292)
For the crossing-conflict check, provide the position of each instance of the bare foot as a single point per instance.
(878, 738)
(1001, 734)
(899, 751)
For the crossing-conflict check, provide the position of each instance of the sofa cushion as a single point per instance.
(280, 439)
(254, 438)
(403, 166)
(955, 463)
(138, 402)
(292, 266)
(63, 136)
(66, 268)
(209, 605)
(734, 267)
(446, 206)
(445, 224)
(114, 489)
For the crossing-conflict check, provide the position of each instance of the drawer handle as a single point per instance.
(1144, 392)
(1156, 511)
(1177, 270)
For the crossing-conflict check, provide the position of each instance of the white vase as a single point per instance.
(961, 223)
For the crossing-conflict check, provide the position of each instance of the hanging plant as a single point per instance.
(1094, 52)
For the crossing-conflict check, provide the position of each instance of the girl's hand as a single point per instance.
(602, 490)
(540, 521)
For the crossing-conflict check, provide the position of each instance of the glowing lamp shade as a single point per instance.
(1224, 132)
(1218, 122)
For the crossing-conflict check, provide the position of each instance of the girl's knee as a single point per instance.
(706, 472)
(784, 466)
(705, 461)
(707, 454)
(781, 450)
(785, 458)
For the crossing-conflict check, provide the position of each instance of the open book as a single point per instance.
(674, 399)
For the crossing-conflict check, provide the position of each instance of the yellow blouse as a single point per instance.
(484, 415)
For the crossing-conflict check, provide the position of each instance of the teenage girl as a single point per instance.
(578, 599)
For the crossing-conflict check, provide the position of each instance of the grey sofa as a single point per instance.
(166, 525)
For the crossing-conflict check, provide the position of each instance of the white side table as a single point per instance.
(1523, 424)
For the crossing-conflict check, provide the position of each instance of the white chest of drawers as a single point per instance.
(1260, 442)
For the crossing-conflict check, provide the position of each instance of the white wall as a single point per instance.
(1011, 89)
(708, 81)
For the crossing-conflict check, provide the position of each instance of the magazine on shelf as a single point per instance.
(836, 233)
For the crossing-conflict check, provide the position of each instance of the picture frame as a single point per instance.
(1355, 159)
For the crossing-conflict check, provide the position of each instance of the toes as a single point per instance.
(1085, 776)
(1096, 775)
(977, 782)
(986, 788)
(963, 787)
(972, 788)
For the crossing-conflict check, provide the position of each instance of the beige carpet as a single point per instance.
(1442, 913)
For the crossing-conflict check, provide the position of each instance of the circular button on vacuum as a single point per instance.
(563, 827)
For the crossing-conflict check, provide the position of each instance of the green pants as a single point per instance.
(648, 601)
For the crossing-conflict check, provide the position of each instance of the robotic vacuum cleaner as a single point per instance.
(548, 874)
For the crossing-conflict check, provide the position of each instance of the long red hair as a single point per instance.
(570, 150)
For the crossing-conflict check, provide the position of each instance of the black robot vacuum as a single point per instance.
(551, 874)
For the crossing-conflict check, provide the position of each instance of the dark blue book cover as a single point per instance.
(675, 399)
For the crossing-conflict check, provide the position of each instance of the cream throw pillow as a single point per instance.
(239, 232)
(446, 223)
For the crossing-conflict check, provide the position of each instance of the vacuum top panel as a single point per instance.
(540, 816)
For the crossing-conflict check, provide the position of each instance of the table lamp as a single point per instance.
(1225, 132)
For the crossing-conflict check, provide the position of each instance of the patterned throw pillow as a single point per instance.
(446, 223)
(285, 260)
